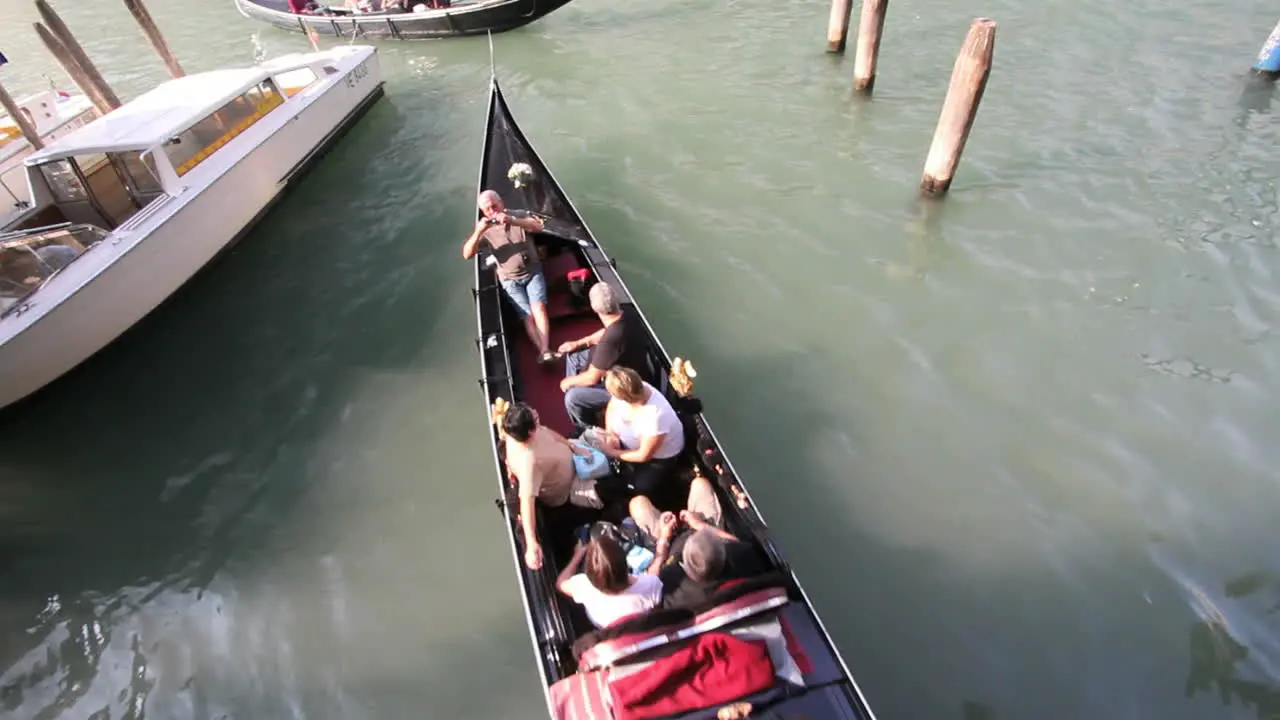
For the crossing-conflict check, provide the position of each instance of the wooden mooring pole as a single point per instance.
(73, 69)
(88, 69)
(149, 28)
(838, 25)
(15, 112)
(1267, 63)
(870, 26)
(968, 80)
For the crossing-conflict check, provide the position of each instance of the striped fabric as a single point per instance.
(582, 696)
(608, 652)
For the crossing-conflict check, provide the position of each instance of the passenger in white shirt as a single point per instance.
(649, 432)
(605, 589)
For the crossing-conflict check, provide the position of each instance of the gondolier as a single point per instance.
(518, 267)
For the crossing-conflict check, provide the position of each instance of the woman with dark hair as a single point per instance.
(541, 460)
(605, 589)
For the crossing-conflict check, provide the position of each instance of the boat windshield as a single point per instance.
(28, 260)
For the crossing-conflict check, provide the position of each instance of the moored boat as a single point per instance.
(52, 113)
(665, 662)
(129, 207)
(434, 19)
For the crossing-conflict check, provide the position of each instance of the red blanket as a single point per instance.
(715, 668)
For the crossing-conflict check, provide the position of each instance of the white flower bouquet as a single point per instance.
(519, 174)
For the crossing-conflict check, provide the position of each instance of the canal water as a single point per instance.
(1020, 445)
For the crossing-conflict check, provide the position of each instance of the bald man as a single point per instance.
(518, 268)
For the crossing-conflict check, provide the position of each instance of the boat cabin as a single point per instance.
(159, 145)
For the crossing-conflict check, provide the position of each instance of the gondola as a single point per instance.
(593, 673)
(461, 17)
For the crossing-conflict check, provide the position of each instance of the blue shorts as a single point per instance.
(526, 291)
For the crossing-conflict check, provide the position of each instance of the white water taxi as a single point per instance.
(129, 207)
(53, 113)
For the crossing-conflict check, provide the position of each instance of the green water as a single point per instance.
(1015, 444)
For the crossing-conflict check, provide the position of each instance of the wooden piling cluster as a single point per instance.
(71, 56)
(968, 81)
(64, 47)
(24, 125)
(149, 28)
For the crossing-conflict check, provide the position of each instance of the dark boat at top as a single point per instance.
(661, 664)
(464, 17)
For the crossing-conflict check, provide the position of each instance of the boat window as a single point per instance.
(30, 259)
(90, 163)
(63, 181)
(204, 138)
(140, 171)
(295, 80)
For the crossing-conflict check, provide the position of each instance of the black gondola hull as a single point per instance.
(464, 19)
(510, 372)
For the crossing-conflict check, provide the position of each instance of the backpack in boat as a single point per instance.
(628, 535)
(592, 466)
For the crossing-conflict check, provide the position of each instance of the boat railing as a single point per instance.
(145, 213)
(27, 265)
(28, 232)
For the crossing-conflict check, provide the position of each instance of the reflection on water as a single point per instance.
(1218, 658)
(1214, 657)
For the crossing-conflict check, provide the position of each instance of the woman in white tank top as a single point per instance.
(648, 429)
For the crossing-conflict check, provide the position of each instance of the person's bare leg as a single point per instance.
(535, 337)
(542, 326)
(703, 501)
(647, 517)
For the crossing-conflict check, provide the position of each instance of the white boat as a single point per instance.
(53, 113)
(129, 207)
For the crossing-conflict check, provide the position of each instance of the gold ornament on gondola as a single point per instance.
(736, 711)
(499, 409)
(681, 376)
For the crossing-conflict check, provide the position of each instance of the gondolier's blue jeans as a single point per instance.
(524, 292)
(583, 404)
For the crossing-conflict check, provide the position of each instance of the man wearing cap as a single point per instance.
(707, 555)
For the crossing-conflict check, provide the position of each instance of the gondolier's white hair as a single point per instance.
(490, 195)
(602, 299)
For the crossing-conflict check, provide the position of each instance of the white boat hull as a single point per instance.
(125, 276)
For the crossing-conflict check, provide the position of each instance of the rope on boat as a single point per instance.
(493, 70)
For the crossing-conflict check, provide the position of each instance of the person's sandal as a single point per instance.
(546, 357)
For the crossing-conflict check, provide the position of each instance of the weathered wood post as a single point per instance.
(838, 25)
(88, 69)
(73, 69)
(15, 112)
(870, 26)
(968, 80)
(1267, 63)
(149, 28)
